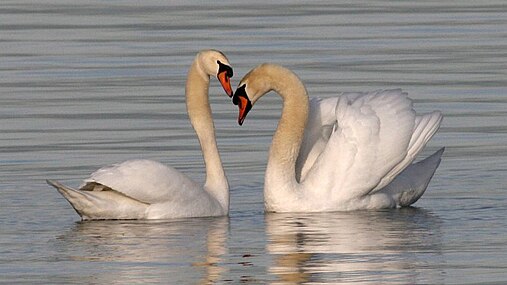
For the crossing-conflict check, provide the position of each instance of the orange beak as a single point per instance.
(244, 104)
(226, 82)
(244, 107)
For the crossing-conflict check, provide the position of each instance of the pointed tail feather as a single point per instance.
(79, 200)
(93, 205)
(426, 126)
(411, 184)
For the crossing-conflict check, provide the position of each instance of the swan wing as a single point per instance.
(319, 127)
(321, 121)
(372, 136)
(426, 126)
(144, 180)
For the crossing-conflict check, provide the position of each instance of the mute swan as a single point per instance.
(144, 189)
(355, 152)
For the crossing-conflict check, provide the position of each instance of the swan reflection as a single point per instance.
(149, 251)
(365, 247)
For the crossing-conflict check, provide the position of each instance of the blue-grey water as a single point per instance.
(89, 83)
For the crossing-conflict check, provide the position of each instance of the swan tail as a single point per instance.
(101, 205)
(411, 184)
(425, 128)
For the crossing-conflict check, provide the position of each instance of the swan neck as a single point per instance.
(289, 133)
(199, 112)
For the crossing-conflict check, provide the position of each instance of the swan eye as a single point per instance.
(225, 68)
(224, 75)
(240, 91)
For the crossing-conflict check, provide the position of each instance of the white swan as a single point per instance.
(144, 189)
(355, 152)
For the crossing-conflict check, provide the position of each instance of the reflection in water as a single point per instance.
(216, 249)
(363, 246)
(149, 251)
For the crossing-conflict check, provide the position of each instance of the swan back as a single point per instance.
(147, 181)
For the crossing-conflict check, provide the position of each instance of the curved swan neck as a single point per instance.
(291, 126)
(200, 116)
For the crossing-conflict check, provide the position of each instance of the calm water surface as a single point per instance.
(90, 83)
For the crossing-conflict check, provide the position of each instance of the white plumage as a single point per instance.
(355, 151)
(145, 189)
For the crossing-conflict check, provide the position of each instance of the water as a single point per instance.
(90, 84)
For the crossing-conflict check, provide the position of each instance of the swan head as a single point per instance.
(254, 85)
(216, 64)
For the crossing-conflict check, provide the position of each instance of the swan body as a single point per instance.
(145, 189)
(354, 151)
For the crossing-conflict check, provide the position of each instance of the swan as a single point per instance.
(145, 189)
(355, 152)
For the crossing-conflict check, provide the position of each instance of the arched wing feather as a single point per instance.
(144, 180)
(371, 137)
